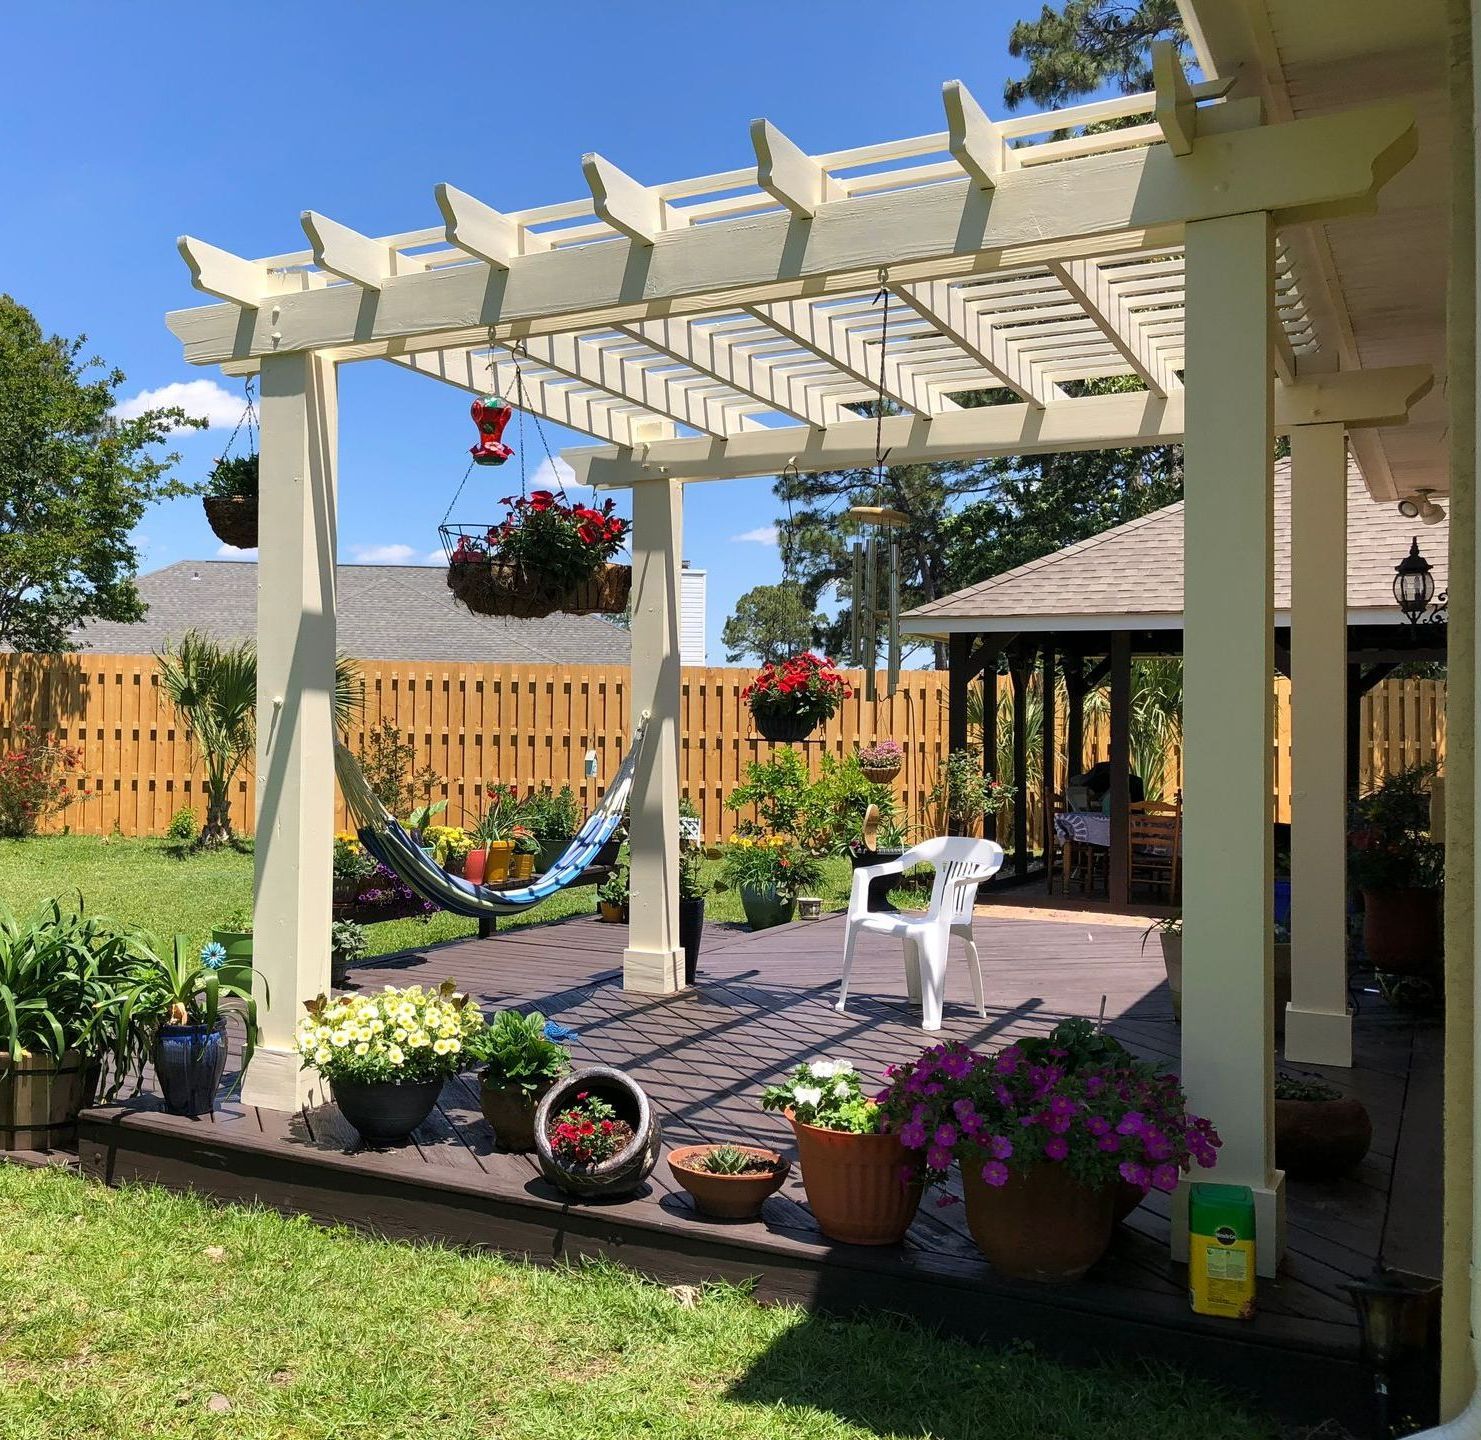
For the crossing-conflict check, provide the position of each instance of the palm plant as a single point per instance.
(213, 686)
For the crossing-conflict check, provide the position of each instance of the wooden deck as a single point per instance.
(763, 1004)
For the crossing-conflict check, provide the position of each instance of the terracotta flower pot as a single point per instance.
(510, 1112)
(728, 1197)
(1401, 931)
(1042, 1225)
(1320, 1139)
(475, 864)
(854, 1185)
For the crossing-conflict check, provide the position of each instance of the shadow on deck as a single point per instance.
(763, 1004)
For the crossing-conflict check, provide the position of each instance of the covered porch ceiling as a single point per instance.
(726, 324)
(1374, 285)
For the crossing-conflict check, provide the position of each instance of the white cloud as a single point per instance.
(394, 554)
(230, 552)
(552, 477)
(435, 557)
(761, 535)
(200, 399)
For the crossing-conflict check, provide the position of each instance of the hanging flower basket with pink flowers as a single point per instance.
(791, 699)
(547, 554)
(1052, 1136)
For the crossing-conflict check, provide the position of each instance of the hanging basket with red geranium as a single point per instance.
(547, 554)
(790, 700)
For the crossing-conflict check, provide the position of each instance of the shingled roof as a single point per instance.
(1134, 573)
(385, 612)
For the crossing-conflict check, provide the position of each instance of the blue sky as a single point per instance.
(128, 125)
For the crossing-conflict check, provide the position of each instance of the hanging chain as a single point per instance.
(248, 418)
(789, 473)
(516, 350)
(880, 453)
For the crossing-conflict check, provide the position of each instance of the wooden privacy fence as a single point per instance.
(525, 726)
(533, 725)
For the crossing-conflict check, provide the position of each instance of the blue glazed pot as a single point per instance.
(188, 1063)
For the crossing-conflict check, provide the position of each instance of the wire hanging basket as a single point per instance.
(230, 502)
(487, 585)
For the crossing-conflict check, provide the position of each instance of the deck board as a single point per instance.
(763, 1004)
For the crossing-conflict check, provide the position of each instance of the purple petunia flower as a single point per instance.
(1165, 1178)
(1109, 1143)
(1135, 1174)
(1056, 1147)
(1000, 1147)
(1098, 1125)
(938, 1158)
(945, 1136)
(995, 1173)
(913, 1135)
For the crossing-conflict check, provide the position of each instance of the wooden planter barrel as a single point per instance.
(39, 1100)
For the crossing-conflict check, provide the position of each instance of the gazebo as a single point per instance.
(722, 326)
(1085, 612)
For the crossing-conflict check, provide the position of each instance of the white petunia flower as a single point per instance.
(822, 1069)
(396, 1055)
(339, 1039)
(808, 1094)
(441, 1046)
(842, 1088)
(362, 1048)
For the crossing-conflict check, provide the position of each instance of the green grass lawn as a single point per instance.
(135, 1312)
(151, 883)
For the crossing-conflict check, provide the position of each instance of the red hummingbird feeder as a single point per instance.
(491, 415)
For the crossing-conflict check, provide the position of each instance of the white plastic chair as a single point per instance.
(961, 865)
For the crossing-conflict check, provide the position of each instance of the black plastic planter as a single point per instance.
(691, 931)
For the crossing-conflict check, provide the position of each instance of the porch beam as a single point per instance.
(1090, 285)
(975, 142)
(944, 307)
(1228, 660)
(714, 351)
(578, 407)
(483, 232)
(1318, 1025)
(831, 338)
(1356, 398)
(295, 731)
(652, 963)
(789, 174)
(1306, 169)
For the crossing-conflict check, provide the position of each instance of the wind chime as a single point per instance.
(874, 552)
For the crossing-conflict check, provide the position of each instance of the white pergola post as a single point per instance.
(1318, 1025)
(653, 964)
(1227, 1061)
(295, 727)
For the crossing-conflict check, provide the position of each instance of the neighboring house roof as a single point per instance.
(385, 612)
(1134, 572)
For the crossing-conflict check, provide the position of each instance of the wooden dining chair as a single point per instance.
(1155, 833)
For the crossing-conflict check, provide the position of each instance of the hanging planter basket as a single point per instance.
(881, 774)
(233, 519)
(489, 586)
(782, 727)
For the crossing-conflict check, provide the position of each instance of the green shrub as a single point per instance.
(552, 814)
(183, 825)
(822, 815)
(517, 1054)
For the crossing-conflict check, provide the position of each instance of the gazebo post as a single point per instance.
(958, 680)
(652, 963)
(1118, 874)
(1020, 666)
(990, 727)
(1228, 518)
(1046, 777)
(1074, 739)
(1318, 1025)
(295, 696)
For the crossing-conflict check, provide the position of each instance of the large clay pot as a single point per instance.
(1320, 1139)
(39, 1100)
(1401, 931)
(1042, 1225)
(854, 1186)
(189, 1061)
(623, 1172)
(766, 907)
(691, 931)
(510, 1112)
(728, 1197)
(386, 1110)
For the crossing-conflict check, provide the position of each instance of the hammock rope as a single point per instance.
(383, 836)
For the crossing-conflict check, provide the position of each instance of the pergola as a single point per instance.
(722, 326)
